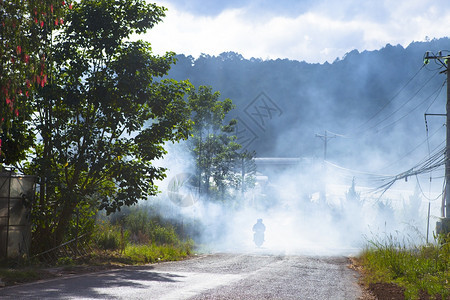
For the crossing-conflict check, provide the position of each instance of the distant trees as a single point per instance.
(317, 96)
(102, 118)
(217, 154)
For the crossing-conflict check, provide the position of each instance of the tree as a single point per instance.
(103, 117)
(24, 30)
(216, 151)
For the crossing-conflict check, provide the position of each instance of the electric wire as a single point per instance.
(425, 196)
(392, 98)
(440, 90)
(356, 133)
(437, 92)
(414, 149)
(403, 104)
(435, 161)
(429, 151)
(374, 177)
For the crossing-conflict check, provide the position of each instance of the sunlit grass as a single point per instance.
(142, 241)
(151, 253)
(415, 268)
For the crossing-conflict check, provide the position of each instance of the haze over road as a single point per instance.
(215, 276)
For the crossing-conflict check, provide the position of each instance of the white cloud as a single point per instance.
(326, 31)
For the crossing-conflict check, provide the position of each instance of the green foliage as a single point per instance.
(135, 226)
(9, 275)
(144, 228)
(110, 237)
(104, 118)
(154, 253)
(25, 28)
(164, 235)
(219, 163)
(414, 268)
(65, 261)
(140, 237)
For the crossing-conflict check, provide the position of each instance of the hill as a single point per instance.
(375, 99)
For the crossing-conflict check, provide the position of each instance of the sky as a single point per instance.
(314, 31)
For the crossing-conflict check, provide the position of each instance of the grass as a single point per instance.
(8, 276)
(98, 260)
(151, 253)
(415, 268)
(136, 242)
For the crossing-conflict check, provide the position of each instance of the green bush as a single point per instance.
(110, 237)
(165, 235)
(65, 261)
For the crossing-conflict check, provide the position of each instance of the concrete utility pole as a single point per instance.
(444, 224)
(323, 189)
(325, 139)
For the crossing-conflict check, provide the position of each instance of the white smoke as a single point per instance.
(297, 218)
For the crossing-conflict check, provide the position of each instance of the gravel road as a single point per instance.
(215, 276)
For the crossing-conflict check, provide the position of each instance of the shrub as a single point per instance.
(110, 237)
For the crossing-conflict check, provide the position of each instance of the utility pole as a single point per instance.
(325, 139)
(323, 191)
(444, 225)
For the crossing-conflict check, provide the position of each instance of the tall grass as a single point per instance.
(415, 268)
(151, 253)
(141, 238)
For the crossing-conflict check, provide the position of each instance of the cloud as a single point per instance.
(314, 32)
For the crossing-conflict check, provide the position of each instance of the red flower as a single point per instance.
(17, 112)
(64, 3)
(61, 21)
(56, 22)
(43, 81)
(42, 24)
(26, 58)
(70, 5)
(51, 8)
(35, 20)
(19, 50)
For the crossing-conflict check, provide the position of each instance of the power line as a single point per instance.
(392, 98)
(437, 92)
(423, 194)
(434, 162)
(414, 149)
(403, 104)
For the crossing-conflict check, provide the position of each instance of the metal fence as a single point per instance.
(16, 198)
(73, 249)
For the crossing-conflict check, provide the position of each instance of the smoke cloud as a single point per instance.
(307, 207)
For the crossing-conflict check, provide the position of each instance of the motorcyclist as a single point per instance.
(258, 229)
(259, 226)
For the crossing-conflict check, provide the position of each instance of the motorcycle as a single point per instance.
(258, 238)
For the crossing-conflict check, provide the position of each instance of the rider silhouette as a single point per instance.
(258, 235)
(259, 226)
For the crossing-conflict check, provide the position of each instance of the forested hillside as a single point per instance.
(375, 99)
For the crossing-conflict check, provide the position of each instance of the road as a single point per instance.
(214, 276)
